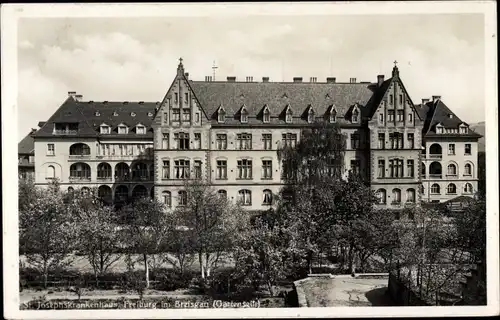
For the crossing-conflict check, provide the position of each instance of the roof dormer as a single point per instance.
(122, 128)
(355, 114)
(288, 114)
(331, 114)
(310, 114)
(221, 114)
(439, 128)
(104, 128)
(132, 114)
(140, 129)
(463, 128)
(266, 115)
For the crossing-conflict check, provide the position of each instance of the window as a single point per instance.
(400, 99)
(451, 189)
(165, 141)
(289, 139)
(468, 188)
(197, 169)
(267, 197)
(410, 195)
(410, 168)
(310, 116)
(182, 140)
(381, 168)
(381, 140)
(355, 167)
(244, 169)
(186, 115)
(181, 169)
(51, 149)
(186, 97)
(221, 173)
(103, 171)
(176, 114)
(182, 198)
(355, 115)
(468, 169)
(244, 116)
(381, 118)
(165, 118)
(79, 149)
(411, 140)
(221, 115)
(31, 159)
(468, 149)
(451, 149)
(176, 99)
(221, 141)
(354, 141)
(51, 172)
(266, 116)
(166, 169)
(333, 116)
(396, 196)
(391, 99)
(122, 130)
(197, 141)
(435, 189)
(105, 130)
(268, 142)
(222, 194)
(396, 140)
(140, 130)
(452, 170)
(197, 117)
(390, 115)
(267, 169)
(245, 197)
(167, 198)
(333, 169)
(381, 196)
(400, 115)
(396, 168)
(244, 141)
(410, 117)
(79, 171)
(288, 116)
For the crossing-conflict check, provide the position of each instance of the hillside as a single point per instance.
(479, 128)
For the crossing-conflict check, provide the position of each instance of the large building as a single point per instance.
(228, 133)
(26, 156)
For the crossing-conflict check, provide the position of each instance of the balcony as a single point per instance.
(104, 179)
(79, 156)
(435, 176)
(435, 156)
(79, 179)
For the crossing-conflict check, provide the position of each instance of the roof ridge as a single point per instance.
(432, 118)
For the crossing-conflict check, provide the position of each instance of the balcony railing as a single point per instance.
(79, 179)
(79, 156)
(435, 156)
(104, 178)
(65, 132)
(435, 175)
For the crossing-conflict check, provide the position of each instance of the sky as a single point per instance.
(135, 59)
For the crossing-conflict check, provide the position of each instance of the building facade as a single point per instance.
(229, 132)
(26, 156)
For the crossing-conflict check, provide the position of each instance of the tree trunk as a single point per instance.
(45, 274)
(200, 259)
(146, 270)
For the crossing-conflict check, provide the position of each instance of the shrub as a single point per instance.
(170, 280)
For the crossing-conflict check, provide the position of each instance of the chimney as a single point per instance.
(250, 79)
(33, 130)
(186, 74)
(297, 79)
(352, 80)
(141, 102)
(435, 98)
(208, 78)
(78, 97)
(231, 79)
(424, 101)
(331, 80)
(313, 79)
(265, 79)
(72, 94)
(380, 79)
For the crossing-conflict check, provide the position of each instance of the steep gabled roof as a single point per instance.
(84, 113)
(27, 145)
(438, 112)
(232, 95)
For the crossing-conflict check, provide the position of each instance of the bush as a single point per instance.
(170, 280)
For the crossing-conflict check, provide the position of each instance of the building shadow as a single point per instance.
(379, 297)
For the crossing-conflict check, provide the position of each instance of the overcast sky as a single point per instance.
(135, 59)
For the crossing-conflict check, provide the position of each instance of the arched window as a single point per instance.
(245, 197)
(381, 196)
(267, 197)
(79, 149)
(104, 193)
(121, 194)
(355, 115)
(310, 116)
(451, 189)
(139, 191)
(288, 116)
(410, 195)
(221, 115)
(222, 194)
(79, 170)
(435, 170)
(396, 196)
(266, 117)
(104, 171)
(435, 151)
(244, 116)
(122, 172)
(452, 169)
(435, 189)
(140, 171)
(167, 198)
(468, 169)
(468, 188)
(182, 198)
(332, 116)
(51, 172)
